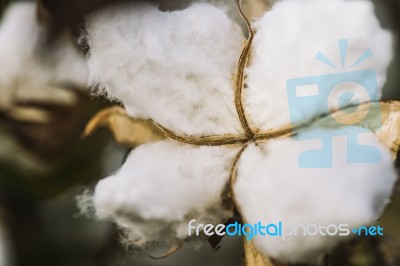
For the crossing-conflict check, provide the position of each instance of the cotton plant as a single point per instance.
(223, 136)
(32, 69)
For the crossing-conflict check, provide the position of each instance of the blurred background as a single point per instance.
(44, 164)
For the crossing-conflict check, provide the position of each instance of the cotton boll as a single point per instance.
(27, 66)
(271, 187)
(175, 68)
(162, 186)
(285, 45)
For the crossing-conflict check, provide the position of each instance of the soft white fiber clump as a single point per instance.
(173, 67)
(162, 186)
(271, 187)
(28, 66)
(286, 42)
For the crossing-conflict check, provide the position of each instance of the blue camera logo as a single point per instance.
(334, 91)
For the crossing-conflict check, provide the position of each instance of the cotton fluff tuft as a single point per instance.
(271, 187)
(162, 186)
(175, 68)
(27, 66)
(285, 45)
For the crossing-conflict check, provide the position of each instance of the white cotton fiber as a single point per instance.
(271, 187)
(286, 42)
(28, 66)
(162, 186)
(175, 68)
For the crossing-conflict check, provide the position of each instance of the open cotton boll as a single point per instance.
(27, 66)
(272, 188)
(286, 43)
(175, 68)
(162, 186)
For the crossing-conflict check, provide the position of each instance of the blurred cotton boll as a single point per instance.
(346, 193)
(175, 68)
(285, 46)
(162, 186)
(30, 68)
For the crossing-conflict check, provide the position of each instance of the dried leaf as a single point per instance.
(253, 257)
(125, 129)
(171, 250)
